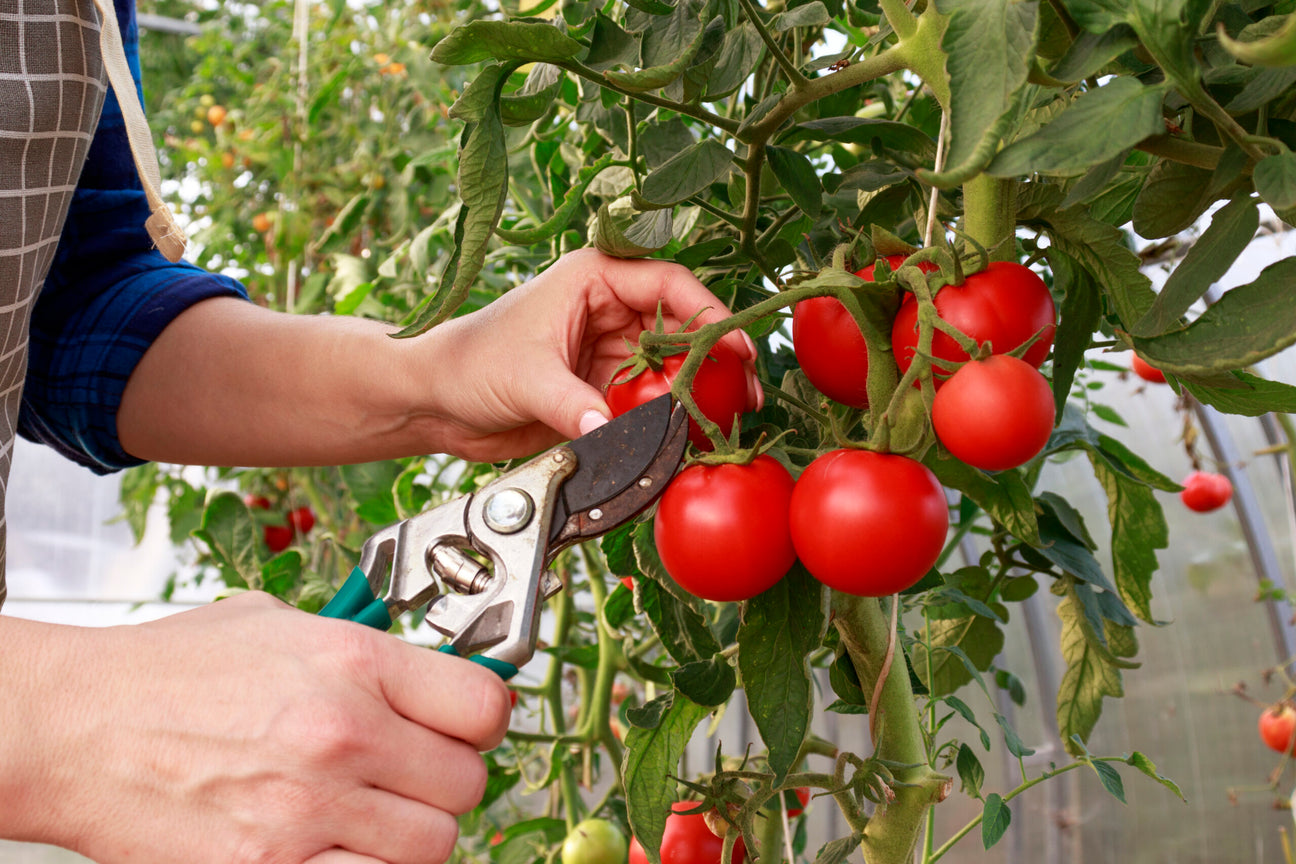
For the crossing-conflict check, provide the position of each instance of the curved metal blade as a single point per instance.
(623, 467)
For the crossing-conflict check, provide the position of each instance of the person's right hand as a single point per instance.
(244, 731)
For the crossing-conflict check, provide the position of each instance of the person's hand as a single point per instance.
(245, 731)
(528, 370)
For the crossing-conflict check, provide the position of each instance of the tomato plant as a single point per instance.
(594, 841)
(722, 530)
(1205, 491)
(720, 389)
(995, 413)
(1277, 727)
(774, 151)
(688, 840)
(1006, 305)
(868, 524)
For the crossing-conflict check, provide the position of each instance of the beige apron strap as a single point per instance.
(167, 236)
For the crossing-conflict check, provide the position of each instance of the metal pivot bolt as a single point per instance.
(508, 511)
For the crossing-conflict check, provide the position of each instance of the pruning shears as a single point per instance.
(516, 524)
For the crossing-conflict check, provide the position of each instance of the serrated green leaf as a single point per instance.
(944, 672)
(231, 534)
(1138, 529)
(1146, 765)
(522, 40)
(995, 817)
(687, 173)
(1230, 232)
(1246, 325)
(651, 759)
(970, 772)
(798, 178)
(779, 629)
(1125, 109)
(989, 49)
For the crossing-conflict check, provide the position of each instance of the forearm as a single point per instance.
(231, 383)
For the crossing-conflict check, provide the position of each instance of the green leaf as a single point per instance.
(562, 216)
(864, 131)
(967, 714)
(1138, 529)
(779, 629)
(232, 535)
(345, 222)
(611, 46)
(1256, 396)
(990, 47)
(1074, 431)
(739, 53)
(1098, 247)
(970, 771)
(1276, 49)
(1246, 325)
(532, 100)
(281, 573)
(808, 15)
(707, 682)
(1146, 765)
(1088, 677)
(1262, 89)
(666, 39)
(651, 759)
(656, 77)
(632, 236)
(1275, 180)
(1172, 199)
(943, 672)
(838, 851)
(687, 173)
(995, 817)
(1078, 320)
(1124, 109)
(1230, 232)
(619, 607)
(1110, 778)
(1089, 53)
(480, 94)
(1069, 555)
(683, 632)
(1003, 496)
(139, 488)
(618, 550)
(372, 486)
(522, 40)
(1097, 16)
(797, 175)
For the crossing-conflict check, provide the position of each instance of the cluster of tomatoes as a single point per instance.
(279, 536)
(862, 522)
(1203, 491)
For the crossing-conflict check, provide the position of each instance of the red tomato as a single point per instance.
(628, 582)
(868, 523)
(1204, 491)
(278, 537)
(302, 520)
(1277, 728)
(256, 502)
(995, 413)
(722, 530)
(1005, 305)
(830, 347)
(688, 840)
(802, 796)
(1147, 371)
(720, 389)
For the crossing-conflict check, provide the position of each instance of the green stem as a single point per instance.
(902, 20)
(609, 660)
(728, 125)
(789, 69)
(990, 214)
(891, 834)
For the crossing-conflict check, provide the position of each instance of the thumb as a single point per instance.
(571, 406)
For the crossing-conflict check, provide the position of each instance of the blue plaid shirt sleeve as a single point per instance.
(107, 297)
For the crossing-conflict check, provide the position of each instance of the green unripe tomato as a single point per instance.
(595, 841)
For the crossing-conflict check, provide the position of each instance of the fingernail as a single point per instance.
(751, 344)
(590, 421)
(760, 393)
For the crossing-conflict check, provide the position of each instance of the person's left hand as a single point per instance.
(528, 370)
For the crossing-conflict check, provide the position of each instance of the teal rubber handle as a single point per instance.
(355, 601)
(499, 667)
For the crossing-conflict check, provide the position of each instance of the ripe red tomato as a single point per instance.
(256, 502)
(802, 796)
(722, 530)
(829, 346)
(868, 523)
(1147, 371)
(688, 840)
(302, 520)
(1005, 305)
(1204, 491)
(1277, 728)
(278, 537)
(995, 413)
(720, 389)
